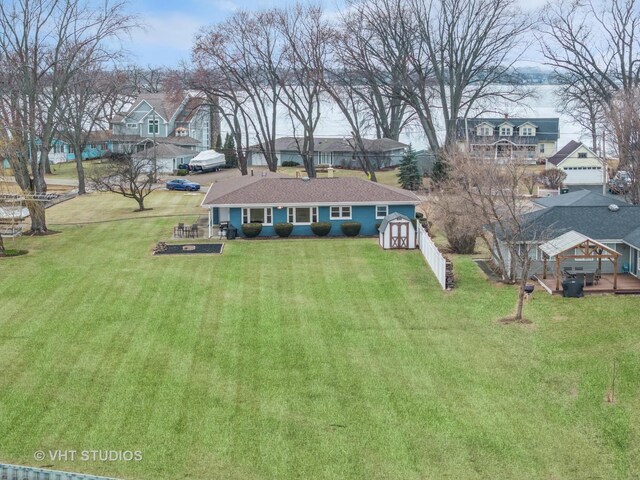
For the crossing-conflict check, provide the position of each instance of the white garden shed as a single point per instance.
(397, 231)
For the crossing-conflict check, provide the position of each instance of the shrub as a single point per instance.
(321, 229)
(181, 173)
(283, 229)
(419, 215)
(378, 226)
(251, 229)
(290, 163)
(350, 229)
(552, 178)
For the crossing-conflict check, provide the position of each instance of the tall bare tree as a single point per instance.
(454, 56)
(304, 32)
(85, 106)
(595, 46)
(237, 61)
(43, 45)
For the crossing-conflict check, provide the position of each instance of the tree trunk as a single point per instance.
(520, 304)
(80, 168)
(37, 215)
(1, 246)
(140, 204)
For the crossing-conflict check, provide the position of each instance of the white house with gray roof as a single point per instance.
(534, 139)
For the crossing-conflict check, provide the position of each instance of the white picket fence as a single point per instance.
(432, 255)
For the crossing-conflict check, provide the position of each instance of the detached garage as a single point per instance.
(580, 163)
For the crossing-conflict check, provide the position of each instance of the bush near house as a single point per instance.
(283, 229)
(181, 172)
(351, 229)
(251, 229)
(290, 163)
(321, 229)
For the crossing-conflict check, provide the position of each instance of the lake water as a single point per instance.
(543, 104)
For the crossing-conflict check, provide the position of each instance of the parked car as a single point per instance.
(182, 184)
(620, 183)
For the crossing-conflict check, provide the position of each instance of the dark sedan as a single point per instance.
(182, 184)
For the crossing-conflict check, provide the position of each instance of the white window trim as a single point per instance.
(506, 129)
(340, 217)
(387, 210)
(151, 122)
(291, 212)
(246, 214)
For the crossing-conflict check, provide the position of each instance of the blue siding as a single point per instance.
(365, 214)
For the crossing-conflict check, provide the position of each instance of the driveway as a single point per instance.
(206, 179)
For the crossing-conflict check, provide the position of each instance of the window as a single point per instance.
(132, 125)
(257, 215)
(153, 126)
(485, 131)
(382, 211)
(303, 215)
(340, 213)
(582, 154)
(526, 132)
(542, 148)
(505, 131)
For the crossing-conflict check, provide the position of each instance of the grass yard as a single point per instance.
(301, 359)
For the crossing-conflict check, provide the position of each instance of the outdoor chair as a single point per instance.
(194, 230)
(180, 229)
(589, 278)
(597, 276)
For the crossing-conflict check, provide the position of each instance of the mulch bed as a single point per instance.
(188, 248)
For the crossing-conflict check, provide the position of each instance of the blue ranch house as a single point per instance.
(274, 198)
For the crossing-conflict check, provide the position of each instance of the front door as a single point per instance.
(399, 235)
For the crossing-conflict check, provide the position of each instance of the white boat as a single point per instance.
(207, 161)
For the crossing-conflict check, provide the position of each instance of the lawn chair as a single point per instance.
(179, 230)
(597, 276)
(589, 278)
(194, 230)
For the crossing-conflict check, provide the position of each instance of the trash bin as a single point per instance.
(564, 190)
(232, 233)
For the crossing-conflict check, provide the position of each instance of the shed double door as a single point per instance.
(399, 234)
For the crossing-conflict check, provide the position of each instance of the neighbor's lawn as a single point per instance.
(303, 359)
(387, 177)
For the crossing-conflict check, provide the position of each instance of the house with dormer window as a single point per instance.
(533, 139)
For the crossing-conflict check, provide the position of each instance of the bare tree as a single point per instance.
(552, 178)
(451, 55)
(237, 61)
(623, 122)
(86, 105)
(372, 72)
(304, 32)
(147, 79)
(594, 45)
(43, 45)
(489, 190)
(131, 176)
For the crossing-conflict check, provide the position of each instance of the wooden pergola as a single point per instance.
(588, 249)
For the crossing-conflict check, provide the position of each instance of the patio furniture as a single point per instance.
(597, 276)
(179, 230)
(194, 231)
(578, 269)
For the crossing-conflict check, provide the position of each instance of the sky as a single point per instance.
(170, 25)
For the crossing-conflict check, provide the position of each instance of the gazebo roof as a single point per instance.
(569, 241)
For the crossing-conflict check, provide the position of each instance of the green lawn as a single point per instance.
(302, 359)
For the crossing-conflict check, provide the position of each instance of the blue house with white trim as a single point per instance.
(274, 198)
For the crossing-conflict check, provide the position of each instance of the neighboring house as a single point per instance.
(185, 121)
(579, 198)
(617, 227)
(168, 157)
(274, 198)
(335, 151)
(534, 139)
(580, 163)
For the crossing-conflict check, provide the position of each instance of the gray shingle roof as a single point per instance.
(564, 152)
(165, 150)
(390, 218)
(596, 222)
(316, 191)
(579, 198)
(336, 144)
(547, 129)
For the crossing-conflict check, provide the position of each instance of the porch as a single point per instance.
(626, 284)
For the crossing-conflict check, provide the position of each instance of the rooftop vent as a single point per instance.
(613, 207)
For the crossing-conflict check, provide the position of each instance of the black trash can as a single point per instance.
(232, 233)
(573, 288)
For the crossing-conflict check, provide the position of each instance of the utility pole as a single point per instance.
(603, 155)
(155, 159)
